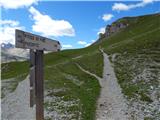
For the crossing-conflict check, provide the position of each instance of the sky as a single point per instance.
(76, 24)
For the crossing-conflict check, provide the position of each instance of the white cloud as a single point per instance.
(148, 1)
(107, 17)
(85, 44)
(7, 30)
(66, 46)
(82, 42)
(18, 52)
(125, 7)
(120, 7)
(88, 44)
(93, 41)
(14, 4)
(47, 26)
(101, 30)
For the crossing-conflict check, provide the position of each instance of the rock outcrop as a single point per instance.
(113, 28)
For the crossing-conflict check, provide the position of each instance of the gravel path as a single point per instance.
(15, 106)
(111, 104)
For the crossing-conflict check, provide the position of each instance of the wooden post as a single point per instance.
(39, 85)
(32, 78)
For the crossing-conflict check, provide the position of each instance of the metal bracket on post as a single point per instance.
(39, 85)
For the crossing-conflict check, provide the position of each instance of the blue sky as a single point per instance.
(74, 24)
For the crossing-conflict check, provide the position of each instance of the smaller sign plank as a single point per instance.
(31, 41)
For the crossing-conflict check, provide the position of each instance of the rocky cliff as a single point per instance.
(113, 28)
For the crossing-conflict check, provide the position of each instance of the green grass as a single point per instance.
(14, 69)
(11, 85)
(87, 92)
(92, 62)
(16, 72)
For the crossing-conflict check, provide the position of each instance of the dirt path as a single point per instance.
(111, 104)
(15, 106)
(92, 74)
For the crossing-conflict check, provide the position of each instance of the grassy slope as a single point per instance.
(128, 43)
(78, 87)
(60, 69)
(132, 42)
(14, 69)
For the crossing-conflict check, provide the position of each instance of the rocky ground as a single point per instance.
(15, 105)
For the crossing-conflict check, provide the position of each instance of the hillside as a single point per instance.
(72, 93)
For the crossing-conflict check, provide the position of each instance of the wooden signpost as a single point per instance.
(32, 77)
(37, 44)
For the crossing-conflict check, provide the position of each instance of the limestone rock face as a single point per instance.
(115, 27)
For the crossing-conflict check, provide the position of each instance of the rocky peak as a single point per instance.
(113, 28)
(6, 45)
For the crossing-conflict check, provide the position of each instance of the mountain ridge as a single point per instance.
(119, 25)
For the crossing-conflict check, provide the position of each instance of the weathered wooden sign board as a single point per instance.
(30, 41)
(37, 44)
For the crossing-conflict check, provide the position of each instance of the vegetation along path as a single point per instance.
(111, 104)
